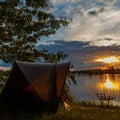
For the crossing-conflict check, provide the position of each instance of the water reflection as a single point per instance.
(109, 85)
(87, 86)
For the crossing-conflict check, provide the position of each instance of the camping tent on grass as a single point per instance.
(34, 86)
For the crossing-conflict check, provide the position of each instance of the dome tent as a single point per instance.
(34, 86)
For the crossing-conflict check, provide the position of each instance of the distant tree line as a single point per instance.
(108, 70)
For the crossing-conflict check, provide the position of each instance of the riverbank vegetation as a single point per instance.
(85, 113)
(108, 70)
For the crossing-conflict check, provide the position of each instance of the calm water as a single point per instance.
(87, 86)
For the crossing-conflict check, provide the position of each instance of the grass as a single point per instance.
(86, 111)
(85, 114)
(80, 111)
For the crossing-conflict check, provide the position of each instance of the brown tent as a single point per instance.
(35, 86)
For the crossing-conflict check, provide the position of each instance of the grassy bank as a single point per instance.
(86, 113)
(78, 112)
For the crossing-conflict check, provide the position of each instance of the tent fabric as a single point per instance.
(35, 83)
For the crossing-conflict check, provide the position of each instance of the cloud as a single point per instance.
(92, 21)
(95, 24)
(109, 2)
(81, 54)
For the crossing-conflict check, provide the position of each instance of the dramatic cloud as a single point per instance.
(95, 25)
(110, 2)
(93, 33)
(92, 21)
(81, 54)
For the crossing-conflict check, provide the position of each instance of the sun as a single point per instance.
(111, 59)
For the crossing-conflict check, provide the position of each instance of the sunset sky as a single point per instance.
(92, 35)
(95, 25)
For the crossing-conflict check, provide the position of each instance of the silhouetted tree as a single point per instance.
(22, 24)
(53, 57)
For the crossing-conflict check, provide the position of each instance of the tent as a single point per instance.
(34, 86)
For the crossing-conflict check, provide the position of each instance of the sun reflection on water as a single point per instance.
(109, 84)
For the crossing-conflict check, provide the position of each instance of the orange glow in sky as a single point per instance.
(111, 59)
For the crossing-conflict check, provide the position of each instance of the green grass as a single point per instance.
(79, 111)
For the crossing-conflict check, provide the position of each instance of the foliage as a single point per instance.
(72, 77)
(108, 70)
(3, 76)
(52, 57)
(22, 24)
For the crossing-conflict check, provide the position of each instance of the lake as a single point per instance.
(89, 85)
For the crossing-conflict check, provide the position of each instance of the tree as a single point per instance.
(53, 57)
(22, 24)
